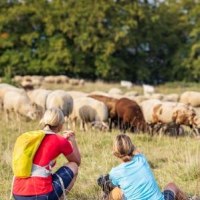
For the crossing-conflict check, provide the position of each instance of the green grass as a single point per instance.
(171, 159)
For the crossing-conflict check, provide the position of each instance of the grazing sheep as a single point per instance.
(115, 91)
(131, 94)
(62, 79)
(27, 84)
(88, 110)
(190, 97)
(126, 84)
(4, 88)
(49, 79)
(130, 115)
(140, 98)
(17, 79)
(60, 99)
(110, 103)
(39, 96)
(74, 81)
(176, 113)
(148, 89)
(149, 108)
(157, 96)
(171, 97)
(20, 104)
(167, 113)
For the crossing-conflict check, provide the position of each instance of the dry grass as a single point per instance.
(171, 159)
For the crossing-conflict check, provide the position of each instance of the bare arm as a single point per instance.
(75, 155)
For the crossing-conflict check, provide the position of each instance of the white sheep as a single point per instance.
(39, 96)
(190, 97)
(158, 96)
(166, 113)
(140, 98)
(148, 89)
(100, 93)
(148, 108)
(4, 88)
(126, 84)
(60, 99)
(131, 94)
(171, 97)
(49, 79)
(88, 110)
(20, 104)
(115, 91)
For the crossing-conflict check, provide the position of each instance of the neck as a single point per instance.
(47, 128)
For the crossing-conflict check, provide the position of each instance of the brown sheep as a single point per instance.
(110, 103)
(130, 115)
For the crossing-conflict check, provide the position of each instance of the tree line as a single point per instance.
(137, 40)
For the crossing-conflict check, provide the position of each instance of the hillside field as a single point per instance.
(171, 159)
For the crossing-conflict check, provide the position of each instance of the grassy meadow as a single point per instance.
(171, 159)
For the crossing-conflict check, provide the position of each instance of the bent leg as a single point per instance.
(116, 194)
(178, 194)
(64, 179)
(74, 167)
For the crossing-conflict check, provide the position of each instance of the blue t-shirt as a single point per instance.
(136, 180)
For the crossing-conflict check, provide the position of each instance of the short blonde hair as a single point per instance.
(123, 148)
(53, 118)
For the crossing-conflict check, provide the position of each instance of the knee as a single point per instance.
(171, 186)
(74, 167)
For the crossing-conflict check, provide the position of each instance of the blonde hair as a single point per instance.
(53, 118)
(123, 148)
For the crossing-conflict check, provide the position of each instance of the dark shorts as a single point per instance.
(65, 173)
(168, 195)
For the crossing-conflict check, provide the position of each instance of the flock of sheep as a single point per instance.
(138, 113)
(31, 82)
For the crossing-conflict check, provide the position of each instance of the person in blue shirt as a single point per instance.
(133, 177)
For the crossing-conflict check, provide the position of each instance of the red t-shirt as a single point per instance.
(51, 147)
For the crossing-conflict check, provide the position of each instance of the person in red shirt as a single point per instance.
(43, 185)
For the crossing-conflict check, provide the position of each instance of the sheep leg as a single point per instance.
(177, 128)
(158, 128)
(17, 116)
(124, 127)
(86, 126)
(82, 125)
(120, 124)
(67, 122)
(18, 121)
(110, 124)
(196, 131)
(151, 129)
(74, 122)
(7, 115)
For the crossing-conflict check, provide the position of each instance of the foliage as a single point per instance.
(141, 41)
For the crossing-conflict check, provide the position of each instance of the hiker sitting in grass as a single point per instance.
(133, 178)
(41, 184)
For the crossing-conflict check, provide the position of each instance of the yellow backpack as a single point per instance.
(24, 150)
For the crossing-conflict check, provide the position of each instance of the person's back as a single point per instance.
(133, 178)
(52, 146)
(42, 184)
(136, 179)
